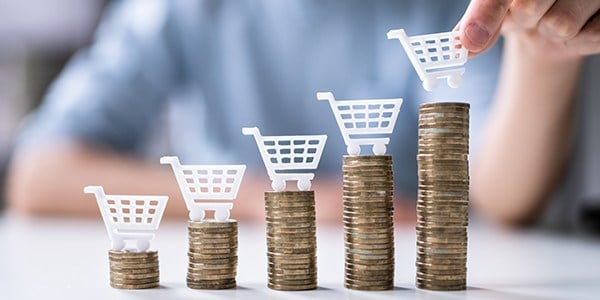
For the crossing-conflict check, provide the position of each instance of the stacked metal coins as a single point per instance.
(291, 240)
(133, 270)
(443, 196)
(212, 255)
(368, 222)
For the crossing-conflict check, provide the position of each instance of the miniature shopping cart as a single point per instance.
(129, 217)
(434, 56)
(284, 156)
(207, 187)
(364, 122)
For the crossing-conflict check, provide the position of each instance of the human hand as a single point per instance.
(555, 29)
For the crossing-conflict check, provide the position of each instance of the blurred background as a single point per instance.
(37, 37)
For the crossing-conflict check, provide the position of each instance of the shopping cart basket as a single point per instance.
(129, 217)
(207, 187)
(363, 122)
(283, 156)
(434, 56)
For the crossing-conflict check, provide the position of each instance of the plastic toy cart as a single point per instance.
(283, 156)
(363, 122)
(434, 56)
(129, 217)
(207, 187)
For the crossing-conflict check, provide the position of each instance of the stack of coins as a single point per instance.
(133, 270)
(368, 222)
(291, 240)
(212, 255)
(443, 197)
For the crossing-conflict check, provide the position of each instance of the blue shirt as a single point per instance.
(196, 72)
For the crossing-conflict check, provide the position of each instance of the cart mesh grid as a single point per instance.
(437, 51)
(286, 151)
(132, 211)
(207, 181)
(360, 115)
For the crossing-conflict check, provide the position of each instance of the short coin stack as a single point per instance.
(368, 222)
(133, 270)
(291, 240)
(443, 197)
(212, 255)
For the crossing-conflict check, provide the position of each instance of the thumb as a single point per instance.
(481, 23)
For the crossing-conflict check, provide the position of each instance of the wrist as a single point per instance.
(531, 49)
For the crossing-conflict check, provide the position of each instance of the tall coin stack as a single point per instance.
(368, 222)
(212, 254)
(133, 270)
(443, 197)
(291, 240)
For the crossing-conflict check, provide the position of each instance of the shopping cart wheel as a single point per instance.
(221, 215)
(379, 149)
(429, 84)
(353, 149)
(303, 184)
(278, 185)
(197, 215)
(117, 244)
(455, 80)
(142, 245)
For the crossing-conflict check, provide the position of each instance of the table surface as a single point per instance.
(67, 259)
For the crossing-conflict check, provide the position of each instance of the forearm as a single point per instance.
(527, 140)
(51, 181)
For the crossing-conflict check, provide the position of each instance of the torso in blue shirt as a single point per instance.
(213, 67)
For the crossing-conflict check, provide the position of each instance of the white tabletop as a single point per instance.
(67, 259)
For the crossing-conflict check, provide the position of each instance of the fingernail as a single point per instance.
(477, 35)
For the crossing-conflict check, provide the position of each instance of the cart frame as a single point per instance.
(434, 56)
(375, 117)
(199, 183)
(284, 154)
(129, 217)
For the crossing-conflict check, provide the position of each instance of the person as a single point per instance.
(535, 162)
(197, 72)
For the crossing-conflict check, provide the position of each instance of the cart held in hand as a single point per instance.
(434, 56)
(129, 217)
(364, 122)
(207, 187)
(284, 156)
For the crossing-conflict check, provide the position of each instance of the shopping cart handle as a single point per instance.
(251, 131)
(173, 160)
(97, 190)
(326, 96)
(397, 34)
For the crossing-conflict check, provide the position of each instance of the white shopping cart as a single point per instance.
(284, 156)
(129, 217)
(207, 187)
(363, 122)
(434, 56)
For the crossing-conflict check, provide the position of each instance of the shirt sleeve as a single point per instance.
(111, 93)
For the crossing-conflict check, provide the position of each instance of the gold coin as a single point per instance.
(134, 286)
(362, 257)
(197, 276)
(388, 262)
(117, 280)
(358, 267)
(134, 276)
(208, 285)
(384, 284)
(281, 287)
(212, 224)
(446, 282)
